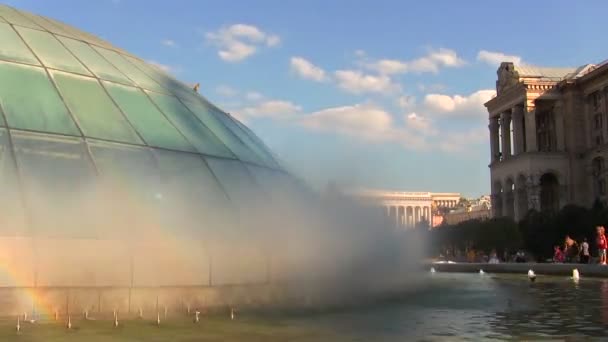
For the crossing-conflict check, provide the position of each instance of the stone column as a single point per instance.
(516, 214)
(530, 118)
(494, 126)
(518, 129)
(558, 117)
(505, 127)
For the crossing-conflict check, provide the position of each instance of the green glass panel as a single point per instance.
(96, 113)
(151, 124)
(15, 17)
(2, 20)
(13, 48)
(238, 183)
(97, 64)
(245, 137)
(167, 81)
(50, 51)
(40, 21)
(222, 132)
(43, 112)
(59, 181)
(131, 173)
(199, 135)
(2, 122)
(12, 219)
(193, 200)
(131, 71)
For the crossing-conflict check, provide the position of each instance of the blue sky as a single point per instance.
(384, 94)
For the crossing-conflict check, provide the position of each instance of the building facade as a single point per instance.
(408, 209)
(476, 209)
(548, 133)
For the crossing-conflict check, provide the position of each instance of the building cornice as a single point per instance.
(507, 99)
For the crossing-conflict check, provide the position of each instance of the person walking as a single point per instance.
(585, 252)
(602, 244)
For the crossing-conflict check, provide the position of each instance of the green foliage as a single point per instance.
(499, 234)
(537, 232)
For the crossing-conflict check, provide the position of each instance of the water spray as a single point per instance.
(69, 326)
(158, 319)
(140, 313)
(576, 275)
(25, 316)
(86, 314)
(531, 275)
(56, 315)
(18, 324)
(196, 316)
(188, 309)
(232, 314)
(115, 319)
(165, 312)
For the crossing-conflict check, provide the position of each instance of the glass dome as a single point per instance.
(96, 143)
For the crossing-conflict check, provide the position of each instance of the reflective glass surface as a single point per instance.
(237, 182)
(50, 51)
(13, 48)
(132, 176)
(138, 76)
(15, 17)
(197, 133)
(43, 112)
(94, 61)
(157, 159)
(96, 113)
(193, 199)
(58, 177)
(254, 145)
(151, 124)
(12, 220)
(222, 132)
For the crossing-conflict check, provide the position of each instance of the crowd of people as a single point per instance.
(579, 252)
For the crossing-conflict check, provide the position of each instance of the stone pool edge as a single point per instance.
(586, 270)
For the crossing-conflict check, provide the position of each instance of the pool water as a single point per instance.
(455, 306)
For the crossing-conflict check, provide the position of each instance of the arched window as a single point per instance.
(549, 193)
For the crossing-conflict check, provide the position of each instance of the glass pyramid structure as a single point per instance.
(96, 143)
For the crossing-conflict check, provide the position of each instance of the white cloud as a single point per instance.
(168, 42)
(226, 91)
(307, 70)
(357, 82)
(273, 109)
(458, 105)
(366, 122)
(355, 119)
(239, 41)
(420, 124)
(494, 58)
(432, 62)
(253, 96)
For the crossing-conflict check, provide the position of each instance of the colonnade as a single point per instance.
(407, 216)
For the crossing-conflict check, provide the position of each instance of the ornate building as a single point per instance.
(548, 131)
(407, 209)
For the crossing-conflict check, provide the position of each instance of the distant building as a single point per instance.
(409, 209)
(548, 138)
(476, 209)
